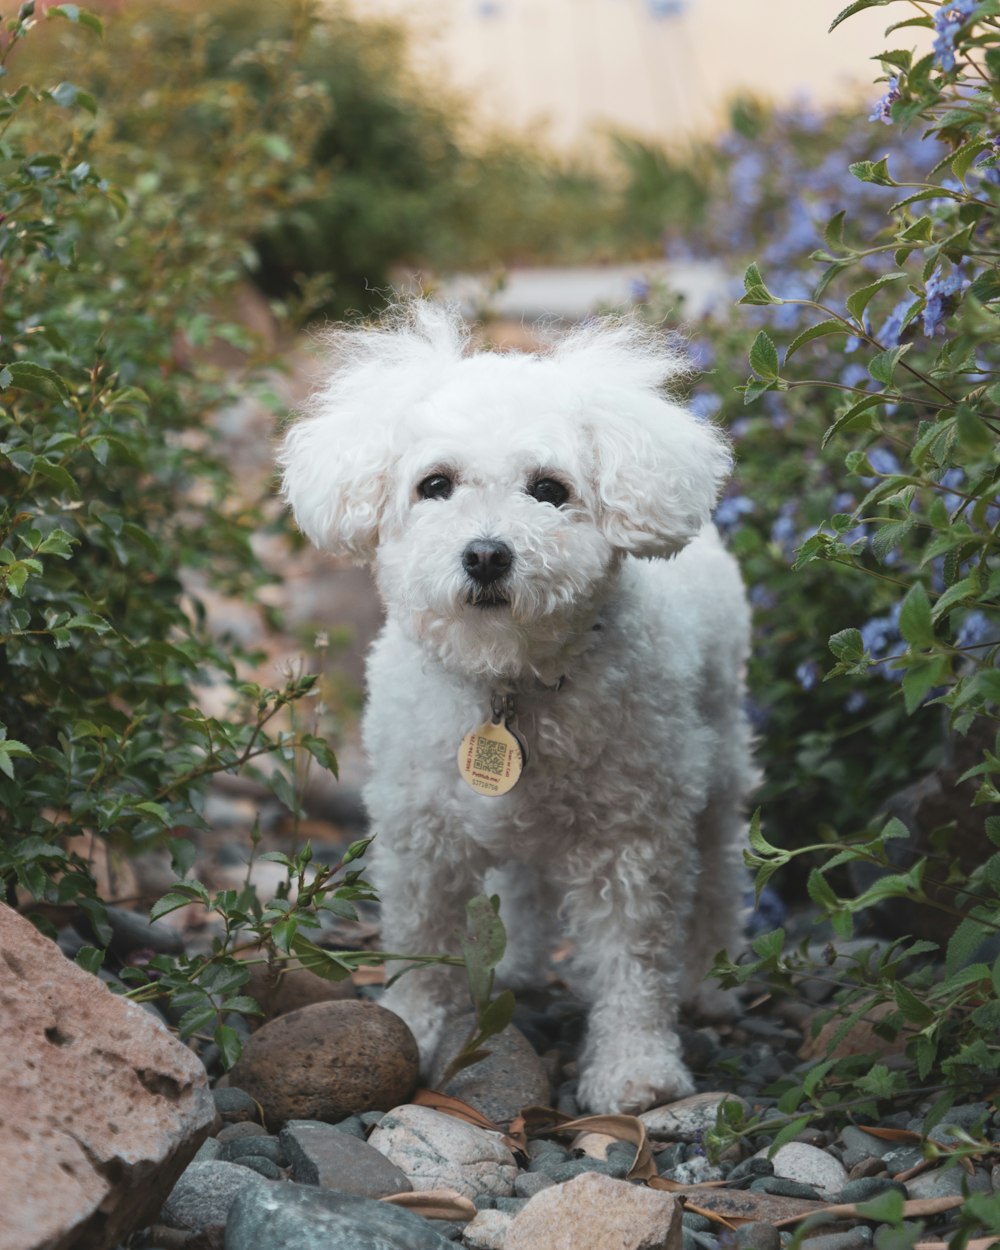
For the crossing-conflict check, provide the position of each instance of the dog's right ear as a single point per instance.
(337, 460)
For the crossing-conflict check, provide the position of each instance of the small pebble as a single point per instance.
(782, 1187)
(235, 1105)
(254, 1147)
(527, 1184)
(355, 1125)
(902, 1159)
(241, 1129)
(668, 1159)
(757, 1236)
(869, 1187)
(699, 1223)
(866, 1167)
(751, 1168)
(258, 1163)
(853, 1239)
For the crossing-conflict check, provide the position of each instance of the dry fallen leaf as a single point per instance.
(915, 1208)
(435, 1204)
(628, 1128)
(892, 1134)
(448, 1105)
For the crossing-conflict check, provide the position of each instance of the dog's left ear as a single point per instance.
(657, 469)
(658, 474)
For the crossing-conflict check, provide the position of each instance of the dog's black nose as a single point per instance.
(486, 560)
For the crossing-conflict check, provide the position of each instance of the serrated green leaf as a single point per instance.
(888, 537)
(847, 645)
(857, 6)
(915, 623)
(859, 300)
(764, 357)
(854, 418)
(831, 326)
(965, 942)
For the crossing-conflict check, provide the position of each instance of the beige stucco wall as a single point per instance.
(567, 66)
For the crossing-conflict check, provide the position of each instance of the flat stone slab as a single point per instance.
(322, 1155)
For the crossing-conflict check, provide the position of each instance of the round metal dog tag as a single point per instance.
(491, 758)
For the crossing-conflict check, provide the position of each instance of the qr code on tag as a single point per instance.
(490, 755)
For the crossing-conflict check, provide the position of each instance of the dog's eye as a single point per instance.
(548, 490)
(437, 486)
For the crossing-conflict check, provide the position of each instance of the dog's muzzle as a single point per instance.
(486, 562)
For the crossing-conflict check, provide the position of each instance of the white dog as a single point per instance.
(539, 530)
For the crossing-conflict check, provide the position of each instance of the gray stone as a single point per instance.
(307, 1218)
(235, 1105)
(207, 1151)
(202, 1197)
(257, 1163)
(239, 1130)
(438, 1151)
(902, 1158)
(697, 1223)
(488, 1231)
(320, 1154)
(352, 1126)
(869, 1187)
(866, 1167)
(758, 1236)
(510, 1078)
(810, 1166)
(259, 1147)
(696, 1171)
(688, 1119)
(752, 1168)
(527, 1184)
(133, 931)
(949, 1182)
(853, 1239)
(561, 1172)
(782, 1187)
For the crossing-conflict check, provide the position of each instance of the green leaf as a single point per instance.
(229, 1044)
(764, 357)
(78, 15)
(858, 6)
(915, 623)
(168, 903)
(483, 945)
(25, 375)
(859, 300)
(831, 326)
(873, 171)
(852, 418)
(920, 679)
(90, 958)
(888, 537)
(756, 291)
(968, 938)
(883, 366)
(974, 435)
(847, 645)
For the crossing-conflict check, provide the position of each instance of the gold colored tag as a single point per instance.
(492, 757)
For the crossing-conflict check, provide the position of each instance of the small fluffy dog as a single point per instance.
(557, 697)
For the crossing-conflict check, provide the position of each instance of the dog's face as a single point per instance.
(497, 494)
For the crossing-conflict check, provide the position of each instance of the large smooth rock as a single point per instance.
(320, 1154)
(688, 1118)
(328, 1061)
(101, 1106)
(437, 1151)
(596, 1210)
(795, 1161)
(296, 987)
(298, 1217)
(510, 1078)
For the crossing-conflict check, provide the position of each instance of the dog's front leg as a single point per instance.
(628, 919)
(423, 902)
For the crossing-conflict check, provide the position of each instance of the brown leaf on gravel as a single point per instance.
(743, 1206)
(892, 1134)
(714, 1216)
(628, 1128)
(435, 1204)
(860, 1038)
(915, 1208)
(977, 1243)
(447, 1104)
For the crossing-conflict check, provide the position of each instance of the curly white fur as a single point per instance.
(627, 824)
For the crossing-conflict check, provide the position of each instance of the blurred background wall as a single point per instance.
(656, 68)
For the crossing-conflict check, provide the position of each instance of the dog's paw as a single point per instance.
(630, 1084)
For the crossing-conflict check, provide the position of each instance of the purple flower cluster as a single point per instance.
(882, 112)
(731, 510)
(948, 21)
(941, 291)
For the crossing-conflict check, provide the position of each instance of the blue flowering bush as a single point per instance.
(867, 441)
